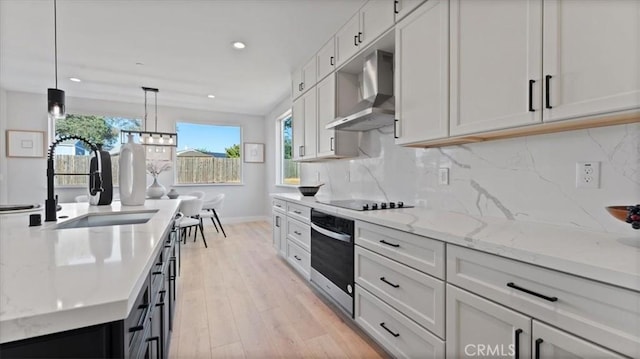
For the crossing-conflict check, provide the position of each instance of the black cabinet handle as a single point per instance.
(331, 61)
(136, 328)
(538, 342)
(389, 283)
(302, 86)
(296, 257)
(302, 148)
(395, 128)
(395, 7)
(297, 233)
(514, 286)
(531, 82)
(547, 90)
(157, 341)
(360, 37)
(517, 343)
(277, 221)
(389, 244)
(355, 40)
(331, 144)
(390, 332)
(297, 212)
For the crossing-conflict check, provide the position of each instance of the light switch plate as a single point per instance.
(443, 176)
(588, 175)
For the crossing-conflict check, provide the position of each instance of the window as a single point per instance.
(73, 156)
(288, 170)
(208, 154)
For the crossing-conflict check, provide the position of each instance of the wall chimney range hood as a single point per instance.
(377, 108)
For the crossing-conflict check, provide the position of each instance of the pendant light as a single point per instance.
(152, 138)
(55, 96)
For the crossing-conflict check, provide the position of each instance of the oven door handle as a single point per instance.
(338, 236)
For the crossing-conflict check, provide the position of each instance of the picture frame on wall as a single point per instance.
(253, 152)
(25, 144)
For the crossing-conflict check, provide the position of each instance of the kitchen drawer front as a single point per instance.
(413, 293)
(604, 314)
(418, 252)
(299, 212)
(279, 205)
(397, 333)
(300, 233)
(298, 258)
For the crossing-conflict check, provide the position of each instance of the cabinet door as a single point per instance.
(495, 56)
(347, 40)
(592, 53)
(277, 230)
(297, 122)
(477, 327)
(296, 83)
(402, 8)
(326, 113)
(310, 124)
(309, 74)
(376, 16)
(422, 74)
(326, 59)
(550, 343)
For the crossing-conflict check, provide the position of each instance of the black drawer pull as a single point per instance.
(296, 257)
(517, 344)
(136, 328)
(514, 286)
(297, 212)
(156, 273)
(389, 244)
(390, 332)
(531, 82)
(389, 283)
(297, 233)
(547, 90)
(538, 342)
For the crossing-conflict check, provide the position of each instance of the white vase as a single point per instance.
(132, 177)
(155, 190)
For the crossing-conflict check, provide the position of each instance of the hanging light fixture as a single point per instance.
(152, 138)
(55, 96)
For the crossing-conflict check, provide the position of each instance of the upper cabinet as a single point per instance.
(305, 78)
(332, 143)
(373, 19)
(422, 74)
(304, 119)
(591, 57)
(402, 8)
(495, 64)
(326, 59)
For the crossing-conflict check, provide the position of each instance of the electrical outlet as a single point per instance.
(588, 175)
(443, 176)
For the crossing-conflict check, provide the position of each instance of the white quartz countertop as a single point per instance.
(59, 279)
(607, 257)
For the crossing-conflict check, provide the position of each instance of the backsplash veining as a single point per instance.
(528, 178)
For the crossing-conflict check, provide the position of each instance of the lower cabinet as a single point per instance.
(279, 234)
(299, 258)
(550, 342)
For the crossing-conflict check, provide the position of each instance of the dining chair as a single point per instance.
(191, 208)
(211, 208)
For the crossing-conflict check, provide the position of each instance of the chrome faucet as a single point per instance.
(95, 178)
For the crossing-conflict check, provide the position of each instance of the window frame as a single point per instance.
(279, 136)
(175, 158)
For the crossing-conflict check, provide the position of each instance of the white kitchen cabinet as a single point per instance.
(591, 57)
(299, 258)
(477, 327)
(373, 19)
(549, 342)
(326, 59)
(402, 8)
(304, 119)
(304, 78)
(496, 64)
(422, 74)
(332, 143)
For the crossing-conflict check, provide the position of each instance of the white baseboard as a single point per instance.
(232, 220)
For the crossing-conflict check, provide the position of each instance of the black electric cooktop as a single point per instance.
(365, 205)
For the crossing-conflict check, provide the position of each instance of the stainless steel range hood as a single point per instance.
(377, 108)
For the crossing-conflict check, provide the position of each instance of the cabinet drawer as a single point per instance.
(397, 333)
(415, 294)
(300, 233)
(419, 252)
(279, 205)
(599, 312)
(299, 212)
(298, 258)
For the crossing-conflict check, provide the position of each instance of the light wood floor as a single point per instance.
(238, 299)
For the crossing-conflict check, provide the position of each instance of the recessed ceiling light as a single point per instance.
(75, 79)
(211, 96)
(239, 45)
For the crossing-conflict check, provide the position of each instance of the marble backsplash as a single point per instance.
(524, 179)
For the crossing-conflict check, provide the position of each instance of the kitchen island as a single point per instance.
(57, 280)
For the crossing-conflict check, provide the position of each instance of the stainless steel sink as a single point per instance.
(108, 219)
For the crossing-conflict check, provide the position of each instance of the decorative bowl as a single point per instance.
(619, 212)
(309, 190)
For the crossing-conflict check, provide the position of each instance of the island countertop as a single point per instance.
(612, 258)
(53, 280)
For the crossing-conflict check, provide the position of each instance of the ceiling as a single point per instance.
(184, 46)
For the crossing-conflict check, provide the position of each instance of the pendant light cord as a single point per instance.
(145, 110)
(156, 106)
(55, 37)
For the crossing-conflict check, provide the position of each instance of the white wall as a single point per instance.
(26, 182)
(3, 147)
